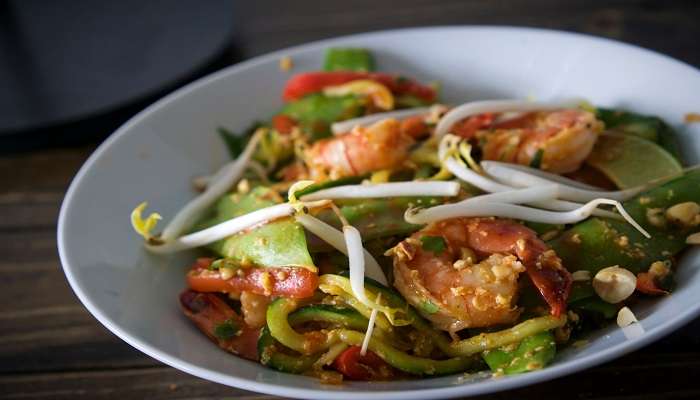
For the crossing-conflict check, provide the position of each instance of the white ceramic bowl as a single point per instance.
(154, 156)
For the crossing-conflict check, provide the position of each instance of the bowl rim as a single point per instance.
(471, 389)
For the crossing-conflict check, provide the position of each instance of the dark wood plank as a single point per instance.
(667, 26)
(41, 171)
(638, 376)
(43, 326)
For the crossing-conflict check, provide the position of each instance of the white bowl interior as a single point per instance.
(155, 155)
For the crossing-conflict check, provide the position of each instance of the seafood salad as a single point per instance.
(369, 232)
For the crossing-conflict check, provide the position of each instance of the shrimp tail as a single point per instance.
(220, 323)
(554, 284)
(547, 274)
(542, 264)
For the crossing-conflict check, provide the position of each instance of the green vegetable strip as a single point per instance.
(381, 322)
(269, 356)
(488, 341)
(317, 112)
(476, 344)
(348, 59)
(395, 311)
(406, 362)
(466, 347)
(532, 353)
(345, 317)
(277, 313)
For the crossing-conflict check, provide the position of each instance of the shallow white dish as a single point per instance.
(154, 156)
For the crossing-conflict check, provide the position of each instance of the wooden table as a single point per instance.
(51, 347)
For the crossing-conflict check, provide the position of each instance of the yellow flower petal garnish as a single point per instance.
(141, 226)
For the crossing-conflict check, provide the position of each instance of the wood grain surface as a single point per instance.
(52, 348)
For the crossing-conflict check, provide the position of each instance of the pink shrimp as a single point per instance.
(383, 145)
(463, 272)
(563, 138)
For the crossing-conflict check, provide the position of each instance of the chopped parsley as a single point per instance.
(537, 159)
(226, 330)
(236, 143)
(436, 244)
(429, 307)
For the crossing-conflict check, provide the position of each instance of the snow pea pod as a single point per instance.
(275, 244)
(377, 218)
(348, 59)
(597, 243)
(532, 353)
(316, 112)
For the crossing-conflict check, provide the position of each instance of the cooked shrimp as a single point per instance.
(383, 145)
(563, 138)
(210, 313)
(463, 272)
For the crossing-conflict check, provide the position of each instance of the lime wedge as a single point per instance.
(630, 161)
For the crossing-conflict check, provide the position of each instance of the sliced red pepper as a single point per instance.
(647, 284)
(209, 313)
(355, 366)
(312, 82)
(283, 123)
(292, 282)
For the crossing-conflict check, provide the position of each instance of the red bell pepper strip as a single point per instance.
(312, 82)
(291, 282)
(283, 123)
(355, 366)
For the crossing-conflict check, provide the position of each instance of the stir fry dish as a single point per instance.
(368, 232)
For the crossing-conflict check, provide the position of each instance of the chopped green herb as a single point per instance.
(436, 244)
(537, 159)
(226, 330)
(429, 307)
(234, 142)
